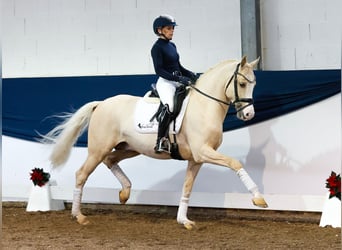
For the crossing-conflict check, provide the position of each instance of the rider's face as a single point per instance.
(167, 31)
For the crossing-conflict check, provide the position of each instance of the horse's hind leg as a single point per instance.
(112, 161)
(81, 177)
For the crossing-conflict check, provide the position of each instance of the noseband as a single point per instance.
(237, 98)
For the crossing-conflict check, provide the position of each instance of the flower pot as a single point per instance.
(331, 213)
(40, 199)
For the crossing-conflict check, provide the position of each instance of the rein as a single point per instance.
(209, 96)
(237, 98)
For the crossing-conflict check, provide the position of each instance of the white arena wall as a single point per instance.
(289, 157)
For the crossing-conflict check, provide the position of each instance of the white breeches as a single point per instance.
(166, 90)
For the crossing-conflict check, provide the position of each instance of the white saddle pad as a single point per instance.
(145, 109)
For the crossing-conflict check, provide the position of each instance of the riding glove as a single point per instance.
(185, 80)
(193, 76)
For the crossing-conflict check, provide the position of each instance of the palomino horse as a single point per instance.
(112, 137)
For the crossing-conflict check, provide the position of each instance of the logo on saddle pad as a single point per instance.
(146, 108)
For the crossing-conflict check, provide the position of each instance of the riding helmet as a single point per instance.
(163, 20)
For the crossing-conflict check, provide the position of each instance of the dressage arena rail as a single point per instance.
(303, 203)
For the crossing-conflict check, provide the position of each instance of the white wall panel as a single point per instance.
(113, 37)
(117, 35)
(301, 34)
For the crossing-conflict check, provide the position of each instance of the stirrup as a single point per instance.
(163, 145)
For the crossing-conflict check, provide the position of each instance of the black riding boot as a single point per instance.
(164, 119)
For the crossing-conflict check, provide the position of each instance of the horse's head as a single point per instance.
(239, 89)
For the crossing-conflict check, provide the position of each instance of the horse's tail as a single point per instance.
(65, 135)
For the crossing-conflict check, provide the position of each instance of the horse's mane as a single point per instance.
(219, 65)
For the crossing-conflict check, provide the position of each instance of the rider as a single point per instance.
(171, 75)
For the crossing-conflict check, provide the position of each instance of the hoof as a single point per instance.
(260, 202)
(82, 220)
(190, 225)
(124, 195)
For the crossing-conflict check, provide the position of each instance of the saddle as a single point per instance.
(149, 108)
(180, 94)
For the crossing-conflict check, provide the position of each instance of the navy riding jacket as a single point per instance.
(166, 60)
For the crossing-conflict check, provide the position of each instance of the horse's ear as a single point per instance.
(255, 62)
(243, 61)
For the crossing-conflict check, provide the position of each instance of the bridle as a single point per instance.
(237, 98)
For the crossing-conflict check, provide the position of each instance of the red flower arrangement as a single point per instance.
(39, 177)
(334, 185)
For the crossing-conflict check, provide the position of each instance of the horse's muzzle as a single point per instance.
(246, 113)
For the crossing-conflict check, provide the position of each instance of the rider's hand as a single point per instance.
(193, 76)
(185, 80)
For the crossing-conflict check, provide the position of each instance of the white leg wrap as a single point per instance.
(248, 182)
(76, 202)
(123, 179)
(182, 210)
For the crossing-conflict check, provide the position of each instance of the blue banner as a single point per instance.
(29, 102)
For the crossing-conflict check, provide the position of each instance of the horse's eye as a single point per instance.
(242, 84)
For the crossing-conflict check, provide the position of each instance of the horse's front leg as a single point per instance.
(191, 174)
(209, 155)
